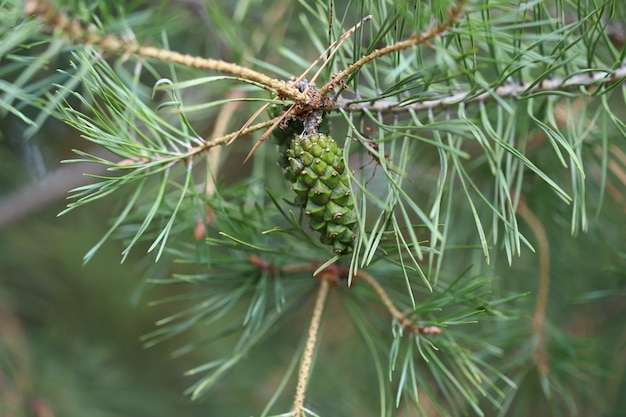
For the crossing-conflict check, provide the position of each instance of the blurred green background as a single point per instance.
(70, 333)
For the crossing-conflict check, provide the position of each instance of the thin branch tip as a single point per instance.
(309, 348)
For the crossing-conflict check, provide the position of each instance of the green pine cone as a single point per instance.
(318, 173)
(285, 132)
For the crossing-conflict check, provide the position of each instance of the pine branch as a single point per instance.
(58, 21)
(438, 29)
(587, 83)
(421, 183)
(401, 318)
(309, 348)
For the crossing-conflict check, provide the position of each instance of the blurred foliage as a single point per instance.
(71, 336)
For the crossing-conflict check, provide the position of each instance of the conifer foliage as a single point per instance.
(433, 152)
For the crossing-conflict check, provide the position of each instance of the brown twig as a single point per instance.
(334, 274)
(539, 316)
(330, 276)
(226, 138)
(74, 30)
(403, 320)
(520, 91)
(309, 348)
(194, 151)
(434, 31)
